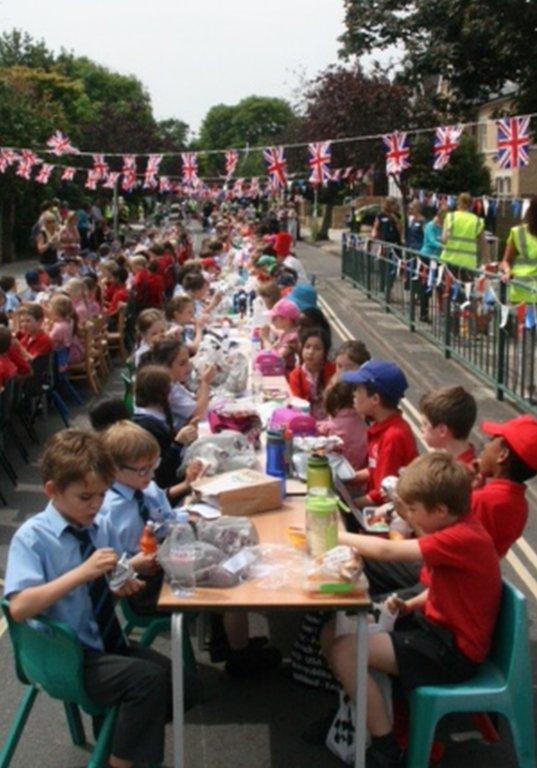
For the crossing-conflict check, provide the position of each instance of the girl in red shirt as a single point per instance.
(310, 379)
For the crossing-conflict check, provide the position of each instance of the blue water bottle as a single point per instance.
(276, 457)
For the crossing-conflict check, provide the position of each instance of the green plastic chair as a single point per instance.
(502, 684)
(128, 395)
(153, 625)
(53, 661)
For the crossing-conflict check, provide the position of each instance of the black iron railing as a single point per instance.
(467, 314)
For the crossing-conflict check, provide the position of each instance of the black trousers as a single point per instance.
(140, 681)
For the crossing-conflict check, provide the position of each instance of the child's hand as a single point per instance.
(396, 604)
(193, 470)
(100, 562)
(130, 588)
(208, 374)
(147, 565)
(187, 434)
(265, 332)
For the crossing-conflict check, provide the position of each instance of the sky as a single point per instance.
(191, 55)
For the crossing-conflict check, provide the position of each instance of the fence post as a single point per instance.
(368, 265)
(502, 343)
(447, 325)
(412, 313)
(343, 254)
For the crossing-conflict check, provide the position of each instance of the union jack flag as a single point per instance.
(513, 142)
(164, 184)
(44, 173)
(446, 140)
(320, 159)
(7, 158)
(150, 178)
(232, 158)
(397, 152)
(276, 166)
(254, 190)
(129, 173)
(238, 188)
(190, 167)
(111, 179)
(61, 145)
(68, 174)
(100, 166)
(27, 161)
(92, 179)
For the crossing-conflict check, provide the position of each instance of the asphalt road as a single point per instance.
(258, 722)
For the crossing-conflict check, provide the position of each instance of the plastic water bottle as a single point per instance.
(275, 465)
(182, 557)
(257, 383)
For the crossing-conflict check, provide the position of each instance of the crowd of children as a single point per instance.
(104, 486)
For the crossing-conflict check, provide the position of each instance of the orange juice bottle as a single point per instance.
(148, 540)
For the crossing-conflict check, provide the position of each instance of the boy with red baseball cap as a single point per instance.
(504, 465)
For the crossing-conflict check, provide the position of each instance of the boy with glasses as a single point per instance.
(135, 499)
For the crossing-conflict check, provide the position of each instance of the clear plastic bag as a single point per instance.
(278, 566)
(338, 567)
(223, 452)
(237, 378)
(228, 534)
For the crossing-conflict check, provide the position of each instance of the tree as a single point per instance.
(173, 134)
(477, 46)
(466, 170)
(254, 121)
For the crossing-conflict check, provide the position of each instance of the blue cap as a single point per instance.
(304, 296)
(386, 378)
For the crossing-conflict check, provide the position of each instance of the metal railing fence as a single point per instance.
(465, 313)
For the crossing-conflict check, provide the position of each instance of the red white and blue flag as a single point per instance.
(68, 173)
(92, 178)
(232, 158)
(7, 158)
(513, 142)
(27, 160)
(164, 184)
(100, 166)
(111, 179)
(397, 152)
(44, 173)
(276, 166)
(150, 178)
(254, 190)
(129, 173)
(190, 167)
(446, 140)
(61, 145)
(320, 159)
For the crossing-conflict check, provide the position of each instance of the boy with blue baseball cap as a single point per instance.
(380, 385)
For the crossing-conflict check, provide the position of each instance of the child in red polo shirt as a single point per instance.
(380, 385)
(33, 339)
(504, 465)
(442, 635)
(447, 418)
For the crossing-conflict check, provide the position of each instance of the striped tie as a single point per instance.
(101, 599)
(143, 509)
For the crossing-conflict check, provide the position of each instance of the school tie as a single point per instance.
(101, 599)
(143, 509)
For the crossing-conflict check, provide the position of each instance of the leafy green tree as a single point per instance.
(18, 48)
(254, 121)
(477, 46)
(466, 170)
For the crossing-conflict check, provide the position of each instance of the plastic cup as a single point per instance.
(181, 572)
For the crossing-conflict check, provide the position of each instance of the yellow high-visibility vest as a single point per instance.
(461, 248)
(524, 268)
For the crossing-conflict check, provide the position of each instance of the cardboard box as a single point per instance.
(241, 492)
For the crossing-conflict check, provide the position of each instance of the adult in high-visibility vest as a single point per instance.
(465, 244)
(520, 258)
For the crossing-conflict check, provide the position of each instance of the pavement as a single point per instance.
(257, 723)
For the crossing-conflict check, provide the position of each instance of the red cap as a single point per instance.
(520, 434)
(209, 262)
(283, 243)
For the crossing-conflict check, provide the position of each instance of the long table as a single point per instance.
(253, 595)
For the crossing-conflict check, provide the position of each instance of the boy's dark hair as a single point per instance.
(164, 352)
(452, 406)
(384, 401)
(7, 282)
(5, 339)
(152, 386)
(436, 478)
(73, 454)
(519, 471)
(34, 310)
(105, 412)
(355, 351)
(194, 281)
(152, 267)
(313, 317)
(339, 395)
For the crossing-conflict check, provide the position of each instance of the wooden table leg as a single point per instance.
(361, 689)
(178, 692)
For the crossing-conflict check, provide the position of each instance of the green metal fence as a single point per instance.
(466, 315)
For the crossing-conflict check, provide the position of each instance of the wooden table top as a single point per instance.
(272, 528)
